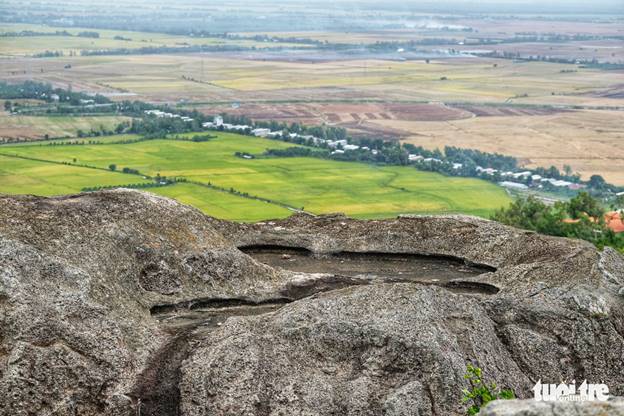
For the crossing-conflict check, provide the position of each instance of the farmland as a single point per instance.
(316, 185)
(488, 104)
(29, 127)
(543, 113)
(585, 140)
(108, 39)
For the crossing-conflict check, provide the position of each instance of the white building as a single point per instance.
(525, 174)
(513, 185)
(261, 132)
(488, 171)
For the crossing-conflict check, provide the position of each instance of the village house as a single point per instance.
(615, 221)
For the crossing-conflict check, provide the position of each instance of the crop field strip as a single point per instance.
(108, 39)
(316, 185)
(17, 126)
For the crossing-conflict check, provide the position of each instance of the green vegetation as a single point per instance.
(581, 217)
(22, 176)
(316, 185)
(222, 204)
(481, 392)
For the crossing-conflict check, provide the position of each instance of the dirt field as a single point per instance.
(589, 141)
(220, 78)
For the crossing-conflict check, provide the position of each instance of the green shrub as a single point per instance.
(481, 392)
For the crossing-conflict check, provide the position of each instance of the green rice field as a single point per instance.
(315, 185)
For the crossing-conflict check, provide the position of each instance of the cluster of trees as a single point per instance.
(88, 34)
(113, 167)
(46, 92)
(559, 37)
(296, 151)
(479, 158)
(48, 54)
(28, 33)
(102, 131)
(587, 215)
(153, 50)
(154, 127)
(583, 62)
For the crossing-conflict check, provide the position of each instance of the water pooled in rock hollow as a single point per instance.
(390, 267)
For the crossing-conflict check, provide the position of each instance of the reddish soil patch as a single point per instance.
(496, 111)
(365, 129)
(351, 116)
(426, 112)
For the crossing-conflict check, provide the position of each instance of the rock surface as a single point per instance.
(120, 302)
(533, 408)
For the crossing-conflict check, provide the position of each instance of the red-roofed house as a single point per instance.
(614, 221)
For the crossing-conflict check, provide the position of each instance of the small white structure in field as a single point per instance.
(513, 185)
(525, 174)
(260, 132)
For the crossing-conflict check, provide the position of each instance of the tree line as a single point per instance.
(582, 217)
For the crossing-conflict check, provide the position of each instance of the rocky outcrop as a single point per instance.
(78, 277)
(558, 312)
(392, 349)
(120, 302)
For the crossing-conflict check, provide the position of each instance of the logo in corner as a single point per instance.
(570, 393)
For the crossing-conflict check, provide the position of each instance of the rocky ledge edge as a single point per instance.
(85, 282)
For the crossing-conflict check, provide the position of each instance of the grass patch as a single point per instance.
(20, 176)
(221, 204)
